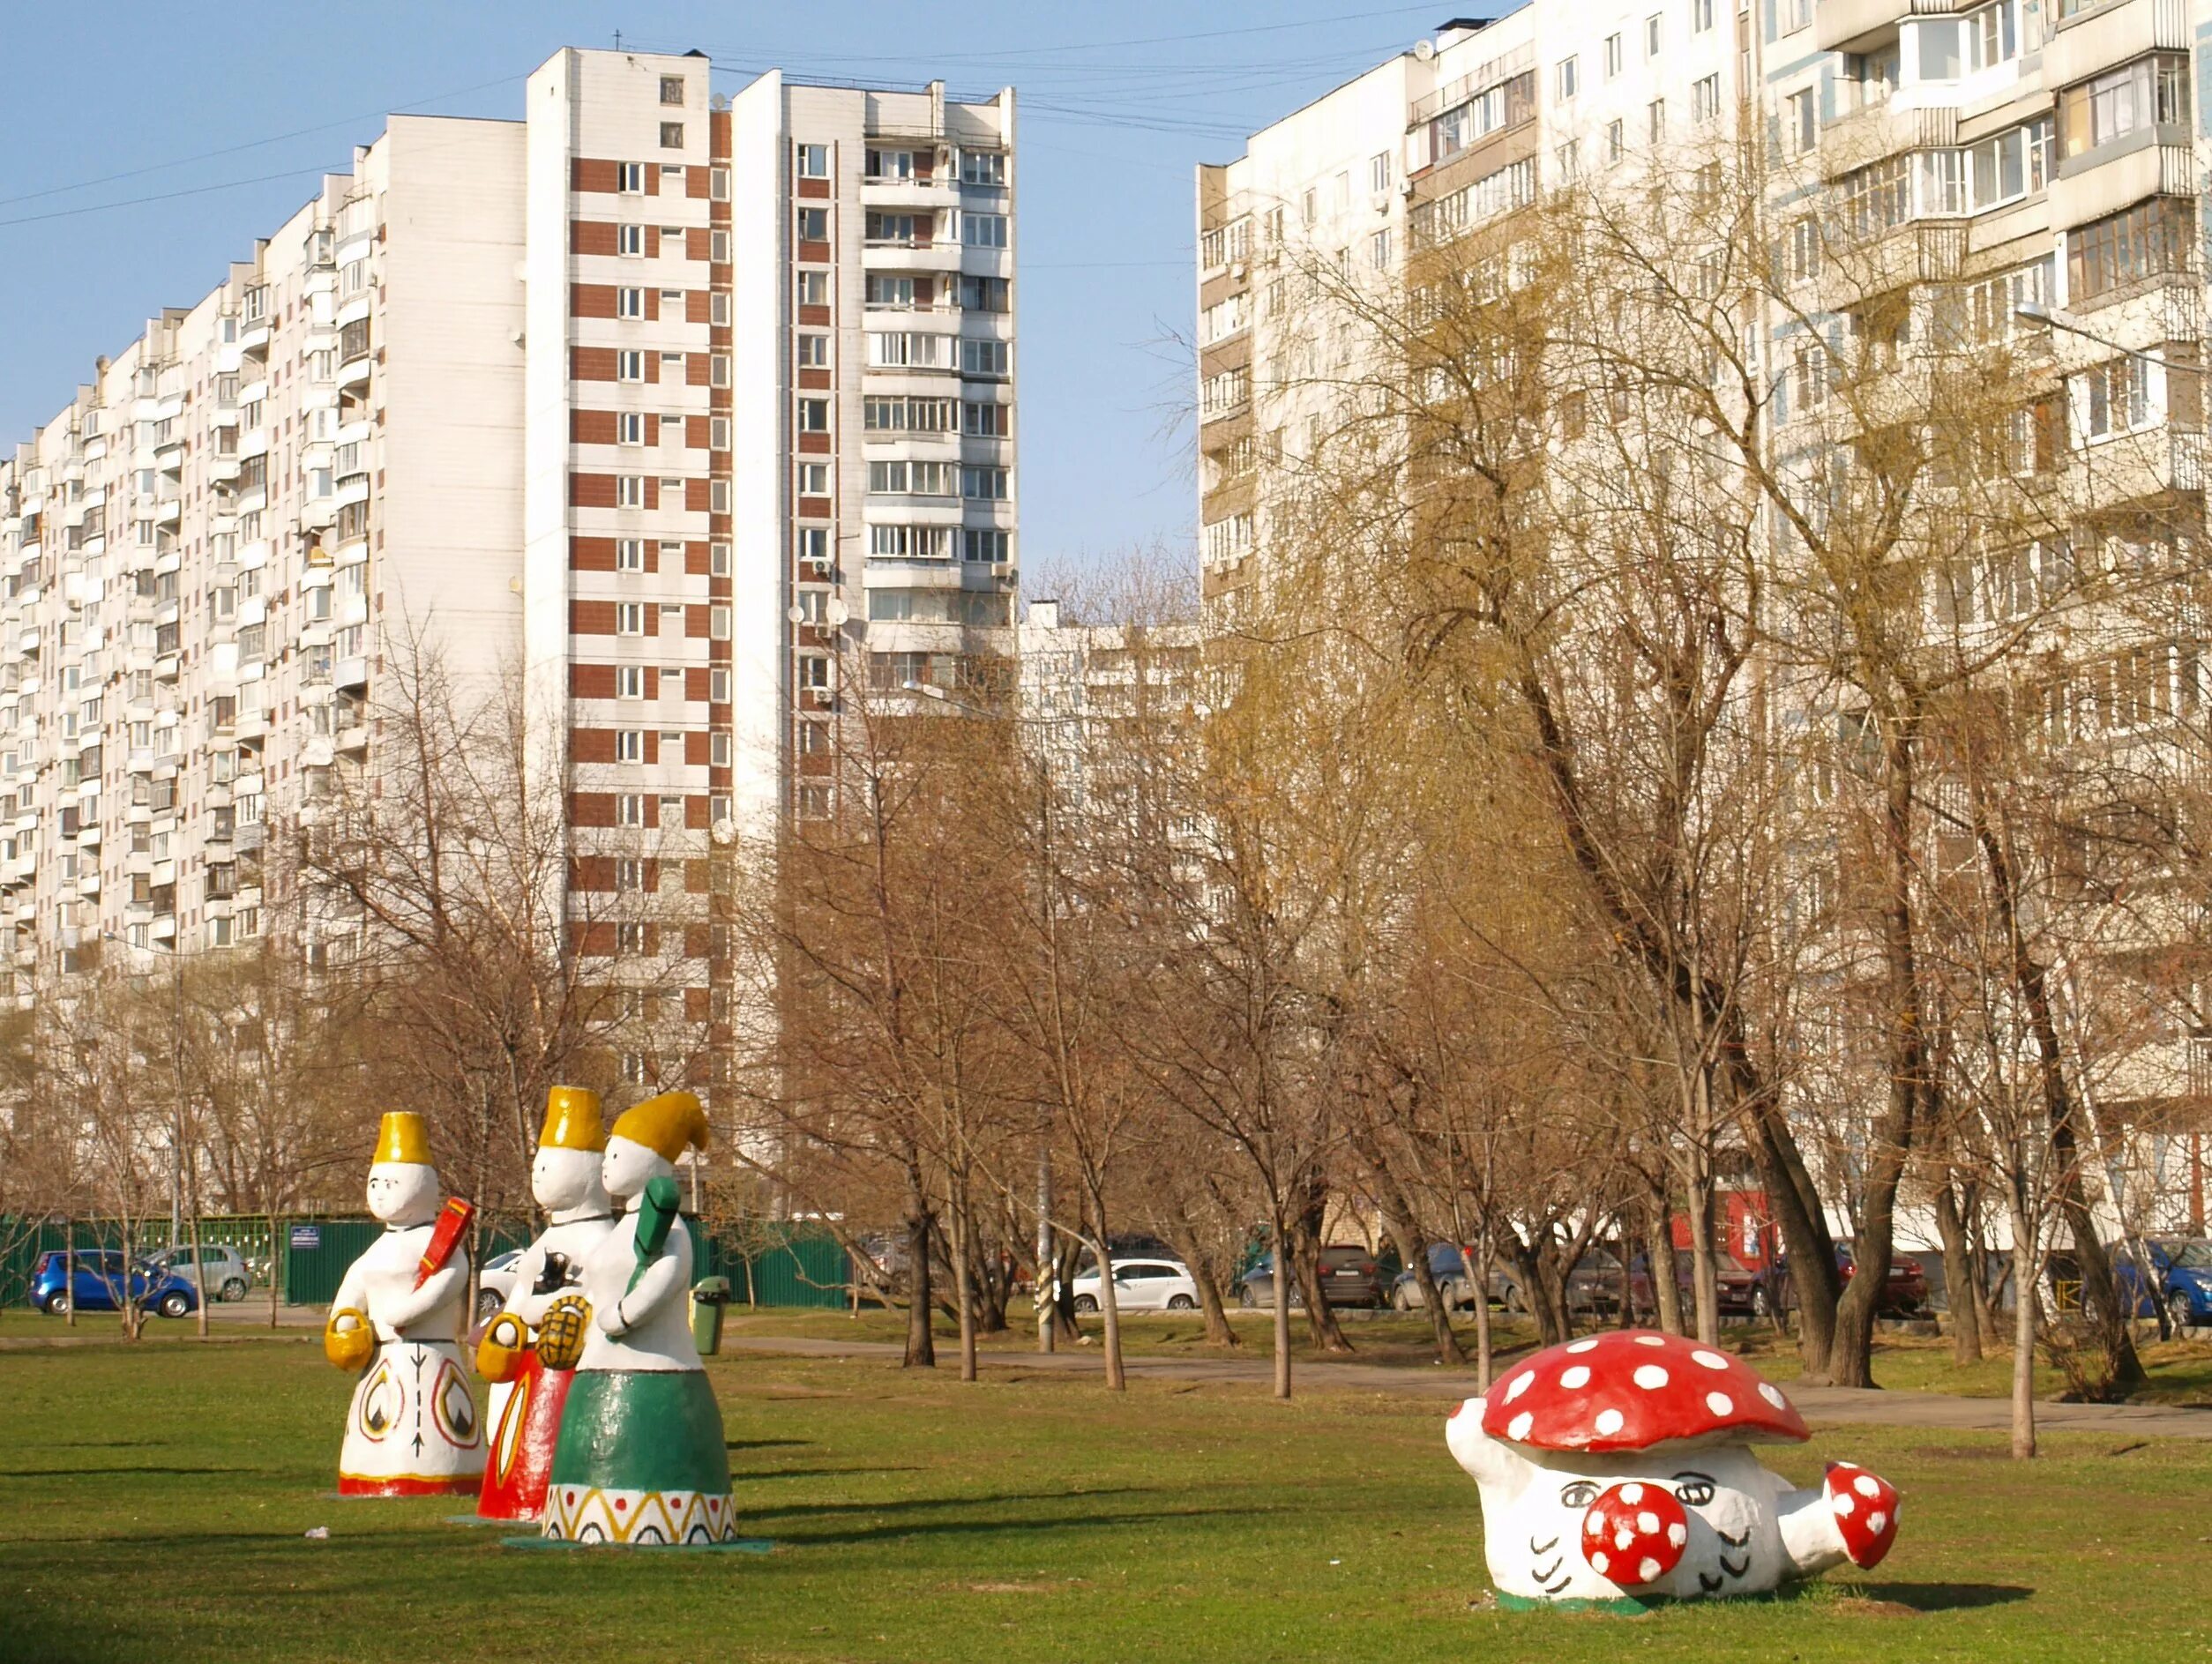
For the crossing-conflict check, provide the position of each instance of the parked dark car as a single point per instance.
(1904, 1293)
(1450, 1272)
(96, 1280)
(1593, 1286)
(1742, 1291)
(1349, 1277)
(2180, 1281)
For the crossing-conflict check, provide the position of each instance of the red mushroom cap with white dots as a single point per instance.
(1865, 1507)
(1634, 1534)
(1638, 1390)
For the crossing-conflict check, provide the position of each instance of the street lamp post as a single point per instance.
(176, 1124)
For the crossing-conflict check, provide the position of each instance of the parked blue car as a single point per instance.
(2180, 1280)
(101, 1281)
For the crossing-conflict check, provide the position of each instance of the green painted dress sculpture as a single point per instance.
(640, 1460)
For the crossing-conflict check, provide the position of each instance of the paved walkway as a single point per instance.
(1932, 1410)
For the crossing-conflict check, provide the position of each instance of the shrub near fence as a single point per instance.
(793, 1266)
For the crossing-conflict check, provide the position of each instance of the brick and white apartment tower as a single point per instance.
(698, 408)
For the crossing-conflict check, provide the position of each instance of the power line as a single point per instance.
(250, 144)
(163, 196)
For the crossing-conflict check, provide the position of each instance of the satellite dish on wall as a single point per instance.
(1424, 49)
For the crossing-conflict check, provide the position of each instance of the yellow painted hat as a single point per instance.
(572, 1120)
(403, 1138)
(665, 1124)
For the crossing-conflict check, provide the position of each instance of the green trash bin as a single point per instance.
(709, 1295)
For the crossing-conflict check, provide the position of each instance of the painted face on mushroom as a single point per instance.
(1618, 1470)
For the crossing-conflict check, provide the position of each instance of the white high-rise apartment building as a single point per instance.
(692, 407)
(1992, 164)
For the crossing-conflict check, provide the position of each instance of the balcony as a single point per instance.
(1877, 131)
(1842, 26)
(2110, 35)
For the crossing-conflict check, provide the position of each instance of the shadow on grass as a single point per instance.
(78, 1473)
(1031, 1526)
(910, 1504)
(738, 1474)
(1948, 1597)
(766, 1443)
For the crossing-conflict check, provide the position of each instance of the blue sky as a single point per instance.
(147, 145)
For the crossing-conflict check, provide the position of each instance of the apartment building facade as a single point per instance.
(2023, 174)
(684, 409)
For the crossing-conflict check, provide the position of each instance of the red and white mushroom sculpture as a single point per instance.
(1617, 1469)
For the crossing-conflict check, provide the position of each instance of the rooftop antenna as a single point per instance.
(618, 39)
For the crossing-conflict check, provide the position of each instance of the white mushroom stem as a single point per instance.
(1810, 1536)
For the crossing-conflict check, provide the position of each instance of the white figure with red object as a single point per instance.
(1616, 1470)
(413, 1429)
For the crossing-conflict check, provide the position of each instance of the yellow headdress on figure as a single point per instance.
(403, 1139)
(572, 1120)
(665, 1124)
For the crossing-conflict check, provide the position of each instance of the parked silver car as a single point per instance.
(228, 1276)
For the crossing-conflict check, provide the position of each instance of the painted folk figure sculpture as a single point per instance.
(640, 1459)
(1616, 1472)
(413, 1429)
(529, 1397)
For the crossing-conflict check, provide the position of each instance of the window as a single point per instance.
(2150, 239)
(812, 224)
(811, 543)
(983, 358)
(983, 485)
(987, 422)
(1225, 540)
(630, 240)
(1567, 79)
(1568, 160)
(814, 289)
(1655, 119)
(885, 288)
(1700, 16)
(985, 295)
(1878, 198)
(1613, 56)
(1223, 319)
(1652, 35)
(813, 672)
(812, 161)
(2122, 101)
(630, 427)
(2113, 398)
(1379, 251)
(1616, 141)
(630, 745)
(814, 478)
(814, 352)
(1379, 171)
(983, 168)
(910, 542)
(1803, 250)
(630, 682)
(2011, 165)
(985, 544)
(671, 89)
(814, 415)
(896, 228)
(629, 302)
(1309, 206)
(983, 230)
(630, 490)
(1992, 35)
(1809, 377)
(888, 164)
(718, 560)
(718, 623)
(630, 178)
(1705, 99)
(671, 135)
(630, 618)
(1801, 117)
(1942, 181)
(630, 554)
(630, 365)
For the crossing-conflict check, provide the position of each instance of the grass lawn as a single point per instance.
(153, 1503)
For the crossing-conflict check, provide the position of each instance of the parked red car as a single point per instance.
(1904, 1293)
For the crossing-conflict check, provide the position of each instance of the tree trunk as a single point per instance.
(1397, 1220)
(1704, 1274)
(1959, 1277)
(1178, 1235)
(1305, 1262)
(920, 1345)
(963, 1284)
(1110, 1310)
(2023, 1328)
(1282, 1312)
(1477, 1266)
(1666, 1292)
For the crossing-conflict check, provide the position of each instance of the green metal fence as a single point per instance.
(785, 1265)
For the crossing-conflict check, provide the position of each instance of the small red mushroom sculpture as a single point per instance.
(1618, 1471)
